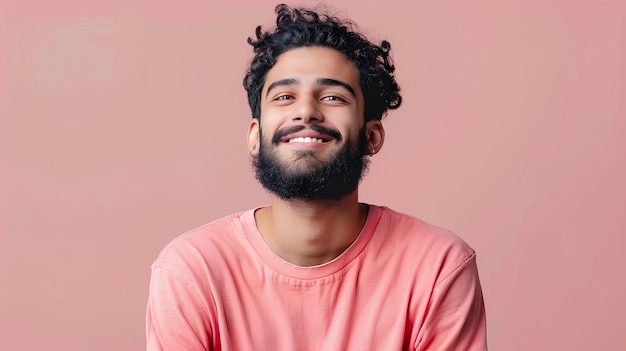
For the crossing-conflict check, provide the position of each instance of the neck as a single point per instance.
(310, 233)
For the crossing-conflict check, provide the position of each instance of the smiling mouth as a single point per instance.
(306, 140)
(298, 134)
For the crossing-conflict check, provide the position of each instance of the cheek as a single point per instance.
(269, 122)
(265, 137)
(354, 128)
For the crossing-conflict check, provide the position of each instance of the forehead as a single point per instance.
(308, 64)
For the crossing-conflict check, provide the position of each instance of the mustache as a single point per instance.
(317, 128)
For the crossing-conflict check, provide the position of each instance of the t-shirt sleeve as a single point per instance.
(456, 316)
(176, 317)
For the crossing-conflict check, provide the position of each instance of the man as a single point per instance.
(317, 269)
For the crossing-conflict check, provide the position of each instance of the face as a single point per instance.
(311, 135)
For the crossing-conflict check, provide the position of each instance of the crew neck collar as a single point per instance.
(289, 270)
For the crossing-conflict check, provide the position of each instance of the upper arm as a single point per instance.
(456, 314)
(177, 316)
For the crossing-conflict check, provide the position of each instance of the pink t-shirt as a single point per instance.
(402, 285)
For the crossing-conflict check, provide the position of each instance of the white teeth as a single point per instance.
(305, 140)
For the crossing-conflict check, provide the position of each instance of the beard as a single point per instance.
(332, 179)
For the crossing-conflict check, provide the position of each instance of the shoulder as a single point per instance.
(423, 233)
(203, 246)
(424, 244)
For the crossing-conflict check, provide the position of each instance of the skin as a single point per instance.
(311, 85)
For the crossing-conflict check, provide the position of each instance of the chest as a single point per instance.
(364, 311)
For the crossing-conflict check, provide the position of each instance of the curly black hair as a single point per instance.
(301, 27)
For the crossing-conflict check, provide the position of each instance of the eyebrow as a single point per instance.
(320, 81)
(330, 81)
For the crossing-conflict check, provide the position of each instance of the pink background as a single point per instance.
(123, 125)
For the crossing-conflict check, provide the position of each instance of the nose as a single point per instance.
(307, 110)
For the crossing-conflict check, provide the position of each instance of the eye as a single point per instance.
(283, 97)
(333, 98)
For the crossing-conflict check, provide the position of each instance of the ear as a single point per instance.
(253, 137)
(375, 133)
